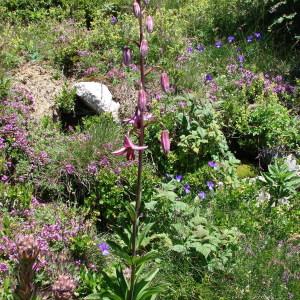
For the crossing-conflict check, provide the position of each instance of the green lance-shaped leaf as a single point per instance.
(131, 211)
(143, 238)
(141, 285)
(140, 260)
(121, 252)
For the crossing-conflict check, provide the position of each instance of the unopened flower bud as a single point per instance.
(136, 9)
(126, 56)
(142, 100)
(165, 82)
(144, 48)
(149, 24)
(165, 141)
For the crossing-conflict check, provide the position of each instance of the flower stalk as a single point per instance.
(140, 161)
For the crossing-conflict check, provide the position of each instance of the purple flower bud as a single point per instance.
(142, 100)
(126, 56)
(165, 141)
(165, 82)
(136, 9)
(144, 48)
(149, 24)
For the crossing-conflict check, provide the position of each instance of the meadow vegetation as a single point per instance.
(220, 209)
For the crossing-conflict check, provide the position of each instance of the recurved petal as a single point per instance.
(121, 151)
(139, 148)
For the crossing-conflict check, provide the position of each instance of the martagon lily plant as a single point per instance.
(132, 281)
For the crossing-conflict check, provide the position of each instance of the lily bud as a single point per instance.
(136, 9)
(126, 56)
(165, 82)
(149, 24)
(142, 100)
(165, 141)
(144, 48)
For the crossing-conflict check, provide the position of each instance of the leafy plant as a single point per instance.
(280, 182)
(66, 100)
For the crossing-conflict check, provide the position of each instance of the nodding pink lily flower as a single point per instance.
(136, 119)
(144, 48)
(142, 99)
(136, 8)
(165, 82)
(165, 141)
(149, 24)
(128, 148)
(126, 56)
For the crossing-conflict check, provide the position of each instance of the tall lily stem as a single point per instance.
(140, 167)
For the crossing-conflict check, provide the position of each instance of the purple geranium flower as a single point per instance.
(104, 248)
(250, 38)
(257, 35)
(241, 58)
(178, 178)
(189, 49)
(208, 77)
(202, 195)
(210, 185)
(200, 48)
(212, 164)
(218, 44)
(114, 20)
(187, 188)
(231, 39)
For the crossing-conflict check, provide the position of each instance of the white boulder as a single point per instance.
(98, 97)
